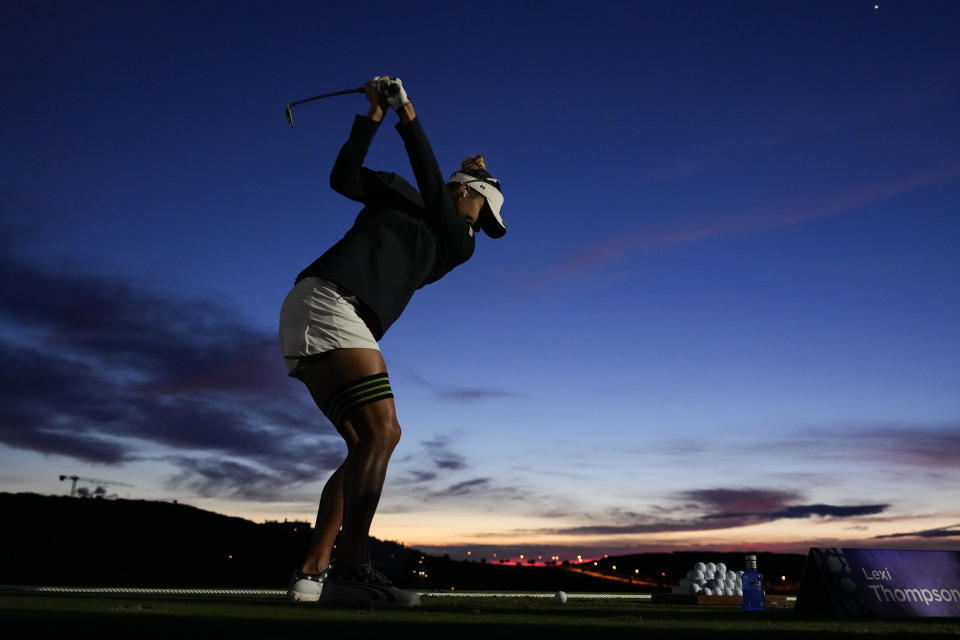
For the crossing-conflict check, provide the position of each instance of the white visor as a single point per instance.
(494, 225)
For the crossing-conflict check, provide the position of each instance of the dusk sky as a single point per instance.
(725, 315)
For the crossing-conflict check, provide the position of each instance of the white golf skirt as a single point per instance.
(317, 317)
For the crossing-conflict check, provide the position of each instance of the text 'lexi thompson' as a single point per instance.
(927, 596)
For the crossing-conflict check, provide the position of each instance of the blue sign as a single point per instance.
(882, 583)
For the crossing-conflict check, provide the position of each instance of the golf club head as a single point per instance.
(290, 115)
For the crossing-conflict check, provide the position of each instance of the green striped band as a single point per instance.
(356, 394)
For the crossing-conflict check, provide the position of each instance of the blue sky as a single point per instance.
(724, 315)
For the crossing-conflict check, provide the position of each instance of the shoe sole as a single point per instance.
(368, 604)
(364, 597)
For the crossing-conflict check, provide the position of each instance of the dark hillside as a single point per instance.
(63, 541)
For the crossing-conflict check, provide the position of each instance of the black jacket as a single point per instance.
(402, 239)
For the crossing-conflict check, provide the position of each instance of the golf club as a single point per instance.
(325, 95)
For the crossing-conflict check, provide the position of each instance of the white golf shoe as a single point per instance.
(366, 586)
(307, 587)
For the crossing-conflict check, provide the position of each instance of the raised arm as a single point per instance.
(348, 176)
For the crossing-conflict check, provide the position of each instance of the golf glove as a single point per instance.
(392, 89)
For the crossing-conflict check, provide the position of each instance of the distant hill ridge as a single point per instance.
(64, 541)
(85, 541)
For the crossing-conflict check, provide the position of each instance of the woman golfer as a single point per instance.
(345, 301)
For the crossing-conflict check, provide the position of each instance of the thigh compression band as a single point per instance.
(356, 394)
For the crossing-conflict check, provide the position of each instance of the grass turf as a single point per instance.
(494, 618)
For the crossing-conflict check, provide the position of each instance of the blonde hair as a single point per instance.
(473, 162)
(475, 166)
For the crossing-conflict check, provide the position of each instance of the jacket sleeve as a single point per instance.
(457, 242)
(349, 177)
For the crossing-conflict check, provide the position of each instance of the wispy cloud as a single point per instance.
(953, 531)
(762, 218)
(460, 393)
(742, 500)
(933, 447)
(443, 457)
(439, 453)
(461, 489)
(720, 508)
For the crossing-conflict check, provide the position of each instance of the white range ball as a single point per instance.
(728, 592)
(738, 591)
(560, 597)
(700, 567)
(730, 584)
(707, 591)
(699, 575)
(700, 583)
(732, 575)
(711, 567)
(721, 567)
(695, 588)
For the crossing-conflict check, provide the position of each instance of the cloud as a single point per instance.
(462, 394)
(98, 369)
(418, 476)
(721, 508)
(929, 446)
(439, 451)
(769, 217)
(461, 489)
(829, 511)
(952, 531)
(768, 504)
(762, 500)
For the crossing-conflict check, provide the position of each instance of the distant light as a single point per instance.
(614, 567)
(229, 557)
(636, 571)
(783, 578)
(875, 7)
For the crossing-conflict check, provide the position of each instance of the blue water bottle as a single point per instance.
(753, 598)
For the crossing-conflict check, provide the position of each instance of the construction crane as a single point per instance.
(73, 487)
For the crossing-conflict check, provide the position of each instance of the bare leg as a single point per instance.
(329, 518)
(365, 470)
(352, 493)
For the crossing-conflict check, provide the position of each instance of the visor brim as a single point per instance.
(491, 222)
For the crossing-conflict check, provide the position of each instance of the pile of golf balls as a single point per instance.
(711, 579)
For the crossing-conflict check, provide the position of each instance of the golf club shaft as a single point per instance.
(328, 95)
(289, 110)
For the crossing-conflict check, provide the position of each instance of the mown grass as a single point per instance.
(176, 618)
